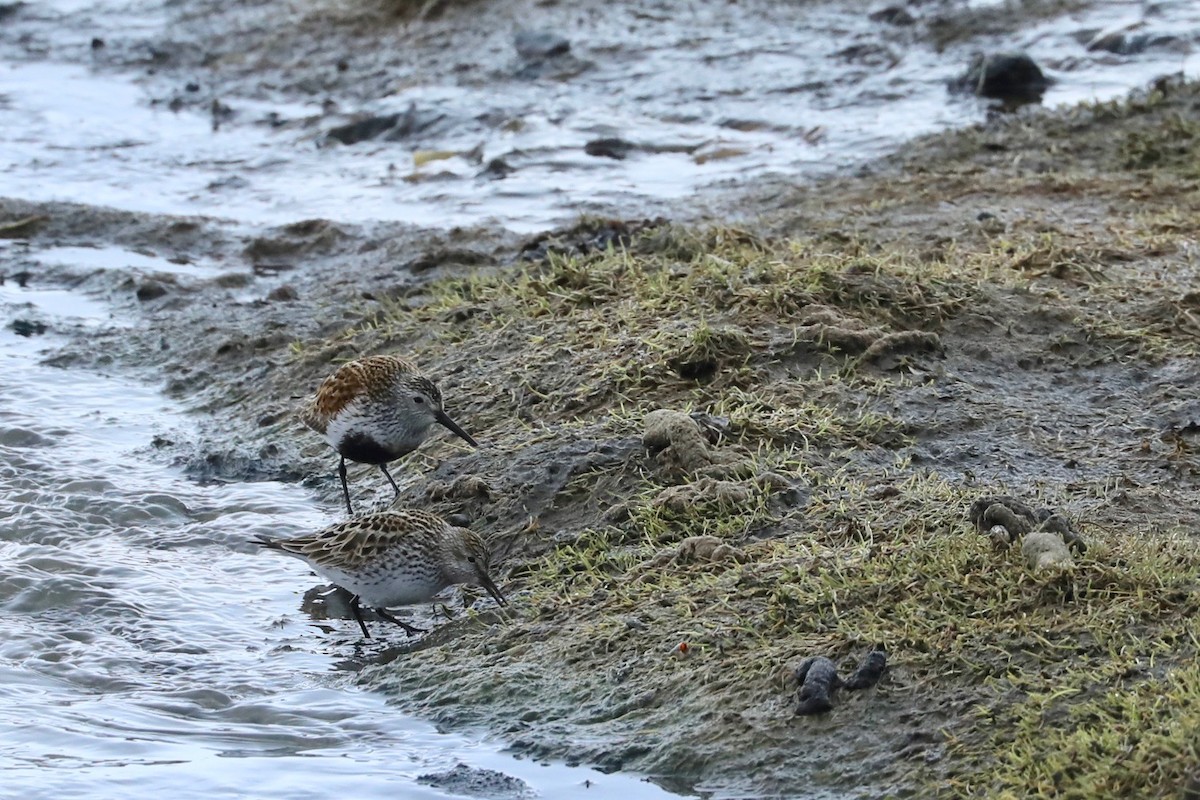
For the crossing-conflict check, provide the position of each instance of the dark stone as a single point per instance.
(28, 327)
(150, 290)
(97, 43)
(343, 65)
(1012, 77)
(869, 671)
(234, 280)
(893, 15)
(496, 169)
(1125, 44)
(192, 87)
(560, 69)
(611, 147)
(536, 45)
(283, 294)
(818, 678)
(390, 127)
(364, 129)
(220, 111)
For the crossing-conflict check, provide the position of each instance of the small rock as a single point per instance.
(269, 419)
(818, 679)
(992, 510)
(496, 169)
(536, 45)
(234, 280)
(869, 671)
(892, 15)
(150, 290)
(97, 43)
(28, 327)
(1013, 77)
(1124, 43)
(989, 223)
(283, 294)
(1045, 550)
(390, 127)
(1000, 537)
(610, 147)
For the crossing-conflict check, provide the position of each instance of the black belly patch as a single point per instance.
(365, 450)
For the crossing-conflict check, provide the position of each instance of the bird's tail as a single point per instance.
(267, 541)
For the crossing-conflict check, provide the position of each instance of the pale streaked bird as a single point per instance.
(393, 558)
(375, 410)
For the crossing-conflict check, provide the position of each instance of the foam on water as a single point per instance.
(146, 648)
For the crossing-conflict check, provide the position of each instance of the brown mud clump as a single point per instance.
(1046, 550)
(1006, 519)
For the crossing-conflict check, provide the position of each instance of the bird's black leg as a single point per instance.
(388, 475)
(345, 485)
(409, 629)
(358, 616)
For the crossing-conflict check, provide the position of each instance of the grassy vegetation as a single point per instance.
(1076, 684)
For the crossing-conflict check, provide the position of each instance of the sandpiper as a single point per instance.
(393, 558)
(375, 410)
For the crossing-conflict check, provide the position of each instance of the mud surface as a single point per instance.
(713, 451)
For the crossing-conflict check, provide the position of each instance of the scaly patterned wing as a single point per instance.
(358, 541)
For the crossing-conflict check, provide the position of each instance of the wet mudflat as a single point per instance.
(1005, 311)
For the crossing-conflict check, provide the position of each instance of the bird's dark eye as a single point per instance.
(471, 559)
(419, 400)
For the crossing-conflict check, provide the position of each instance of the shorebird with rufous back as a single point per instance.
(374, 410)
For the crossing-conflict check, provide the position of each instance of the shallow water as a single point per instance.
(146, 648)
(733, 92)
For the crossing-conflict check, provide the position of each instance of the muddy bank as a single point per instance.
(1011, 309)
